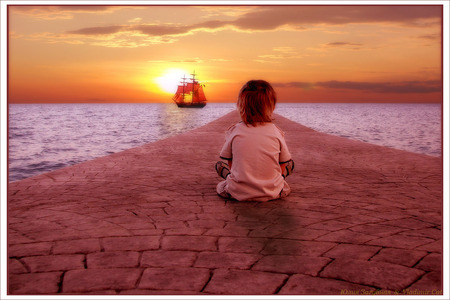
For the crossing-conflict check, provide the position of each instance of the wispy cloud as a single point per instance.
(430, 37)
(429, 86)
(344, 45)
(54, 12)
(279, 53)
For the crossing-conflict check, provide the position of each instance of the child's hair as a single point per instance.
(256, 102)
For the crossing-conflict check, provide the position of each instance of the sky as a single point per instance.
(320, 53)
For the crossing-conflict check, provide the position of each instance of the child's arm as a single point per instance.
(287, 168)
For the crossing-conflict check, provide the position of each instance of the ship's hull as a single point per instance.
(192, 105)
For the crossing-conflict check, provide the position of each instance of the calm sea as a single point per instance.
(45, 137)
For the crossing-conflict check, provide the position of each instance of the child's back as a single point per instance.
(256, 153)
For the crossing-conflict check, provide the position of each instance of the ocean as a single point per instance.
(45, 137)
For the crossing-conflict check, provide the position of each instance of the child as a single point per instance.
(257, 155)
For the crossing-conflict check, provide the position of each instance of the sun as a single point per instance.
(170, 80)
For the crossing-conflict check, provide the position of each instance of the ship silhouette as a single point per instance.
(190, 93)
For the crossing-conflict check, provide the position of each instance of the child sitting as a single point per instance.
(257, 155)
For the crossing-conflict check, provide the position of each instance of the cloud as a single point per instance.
(53, 12)
(432, 37)
(301, 85)
(430, 86)
(340, 44)
(135, 20)
(278, 53)
(269, 18)
(102, 30)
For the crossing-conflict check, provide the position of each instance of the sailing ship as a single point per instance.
(190, 93)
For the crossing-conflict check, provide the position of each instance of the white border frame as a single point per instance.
(3, 133)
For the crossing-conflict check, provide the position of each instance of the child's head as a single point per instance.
(256, 102)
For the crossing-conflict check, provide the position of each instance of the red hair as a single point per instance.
(256, 102)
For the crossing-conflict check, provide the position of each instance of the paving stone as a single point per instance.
(433, 233)
(289, 247)
(215, 260)
(193, 243)
(119, 259)
(174, 279)
(306, 285)
(227, 216)
(88, 280)
(170, 224)
(400, 241)
(432, 247)
(270, 232)
(135, 243)
(57, 235)
(376, 274)
(34, 283)
(18, 238)
(159, 292)
(20, 250)
(36, 225)
(100, 292)
(51, 263)
(431, 262)
(346, 236)
(163, 259)
(256, 283)
(377, 229)
(399, 256)
(360, 219)
(112, 231)
(150, 231)
(16, 267)
(241, 245)
(304, 234)
(358, 252)
(76, 246)
(409, 223)
(331, 225)
(208, 224)
(185, 231)
(245, 225)
(291, 264)
(230, 232)
(429, 284)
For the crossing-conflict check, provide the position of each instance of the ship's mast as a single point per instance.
(184, 84)
(193, 86)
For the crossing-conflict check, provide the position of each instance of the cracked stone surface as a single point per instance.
(361, 219)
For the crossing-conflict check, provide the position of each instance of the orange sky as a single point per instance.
(355, 53)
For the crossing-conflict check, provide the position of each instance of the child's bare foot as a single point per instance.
(222, 169)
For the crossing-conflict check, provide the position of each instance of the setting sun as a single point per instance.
(171, 78)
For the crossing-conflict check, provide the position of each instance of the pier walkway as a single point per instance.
(361, 219)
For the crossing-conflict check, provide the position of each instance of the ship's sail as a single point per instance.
(199, 94)
(179, 95)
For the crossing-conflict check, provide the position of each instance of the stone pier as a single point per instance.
(361, 219)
